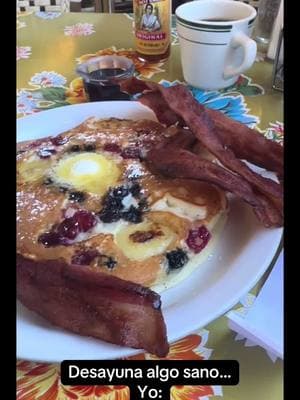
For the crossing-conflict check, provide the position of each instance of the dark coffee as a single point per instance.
(107, 88)
(218, 19)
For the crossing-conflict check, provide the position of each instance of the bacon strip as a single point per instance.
(181, 101)
(160, 108)
(93, 304)
(181, 138)
(246, 143)
(180, 163)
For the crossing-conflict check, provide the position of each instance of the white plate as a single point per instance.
(244, 252)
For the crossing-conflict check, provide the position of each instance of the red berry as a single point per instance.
(131, 152)
(69, 228)
(59, 140)
(198, 238)
(112, 147)
(85, 219)
(52, 239)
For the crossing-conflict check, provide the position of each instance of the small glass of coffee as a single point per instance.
(102, 76)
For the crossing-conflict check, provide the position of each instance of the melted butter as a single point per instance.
(83, 167)
(102, 228)
(180, 208)
(91, 172)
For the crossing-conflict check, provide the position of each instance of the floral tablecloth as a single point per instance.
(49, 46)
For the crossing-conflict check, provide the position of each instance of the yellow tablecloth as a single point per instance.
(49, 47)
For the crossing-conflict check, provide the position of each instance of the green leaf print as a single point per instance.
(54, 93)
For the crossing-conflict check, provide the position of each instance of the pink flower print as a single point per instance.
(23, 52)
(80, 29)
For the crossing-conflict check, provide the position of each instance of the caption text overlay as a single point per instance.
(150, 379)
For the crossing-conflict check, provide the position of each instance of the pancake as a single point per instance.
(88, 198)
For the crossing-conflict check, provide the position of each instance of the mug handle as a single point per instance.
(249, 46)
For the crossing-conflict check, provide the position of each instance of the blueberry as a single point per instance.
(89, 147)
(143, 204)
(48, 181)
(113, 208)
(107, 215)
(107, 261)
(120, 192)
(177, 258)
(133, 215)
(74, 149)
(77, 196)
(114, 197)
(112, 205)
(135, 189)
(110, 263)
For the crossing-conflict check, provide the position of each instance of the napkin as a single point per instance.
(263, 324)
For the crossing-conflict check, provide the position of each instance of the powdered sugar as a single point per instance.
(38, 207)
(135, 170)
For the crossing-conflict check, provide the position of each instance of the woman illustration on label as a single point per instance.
(149, 21)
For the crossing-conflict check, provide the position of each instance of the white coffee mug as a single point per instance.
(214, 41)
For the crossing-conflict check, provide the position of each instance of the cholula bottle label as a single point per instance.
(152, 27)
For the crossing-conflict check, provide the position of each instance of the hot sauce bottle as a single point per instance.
(152, 29)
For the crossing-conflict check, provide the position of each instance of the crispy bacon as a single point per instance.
(93, 303)
(246, 143)
(181, 101)
(180, 163)
(158, 105)
(178, 138)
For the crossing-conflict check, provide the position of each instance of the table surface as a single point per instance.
(49, 46)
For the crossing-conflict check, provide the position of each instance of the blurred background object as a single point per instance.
(266, 16)
(108, 6)
(278, 26)
(113, 6)
(177, 3)
(104, 6)
(278, 69)
(43, 5)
